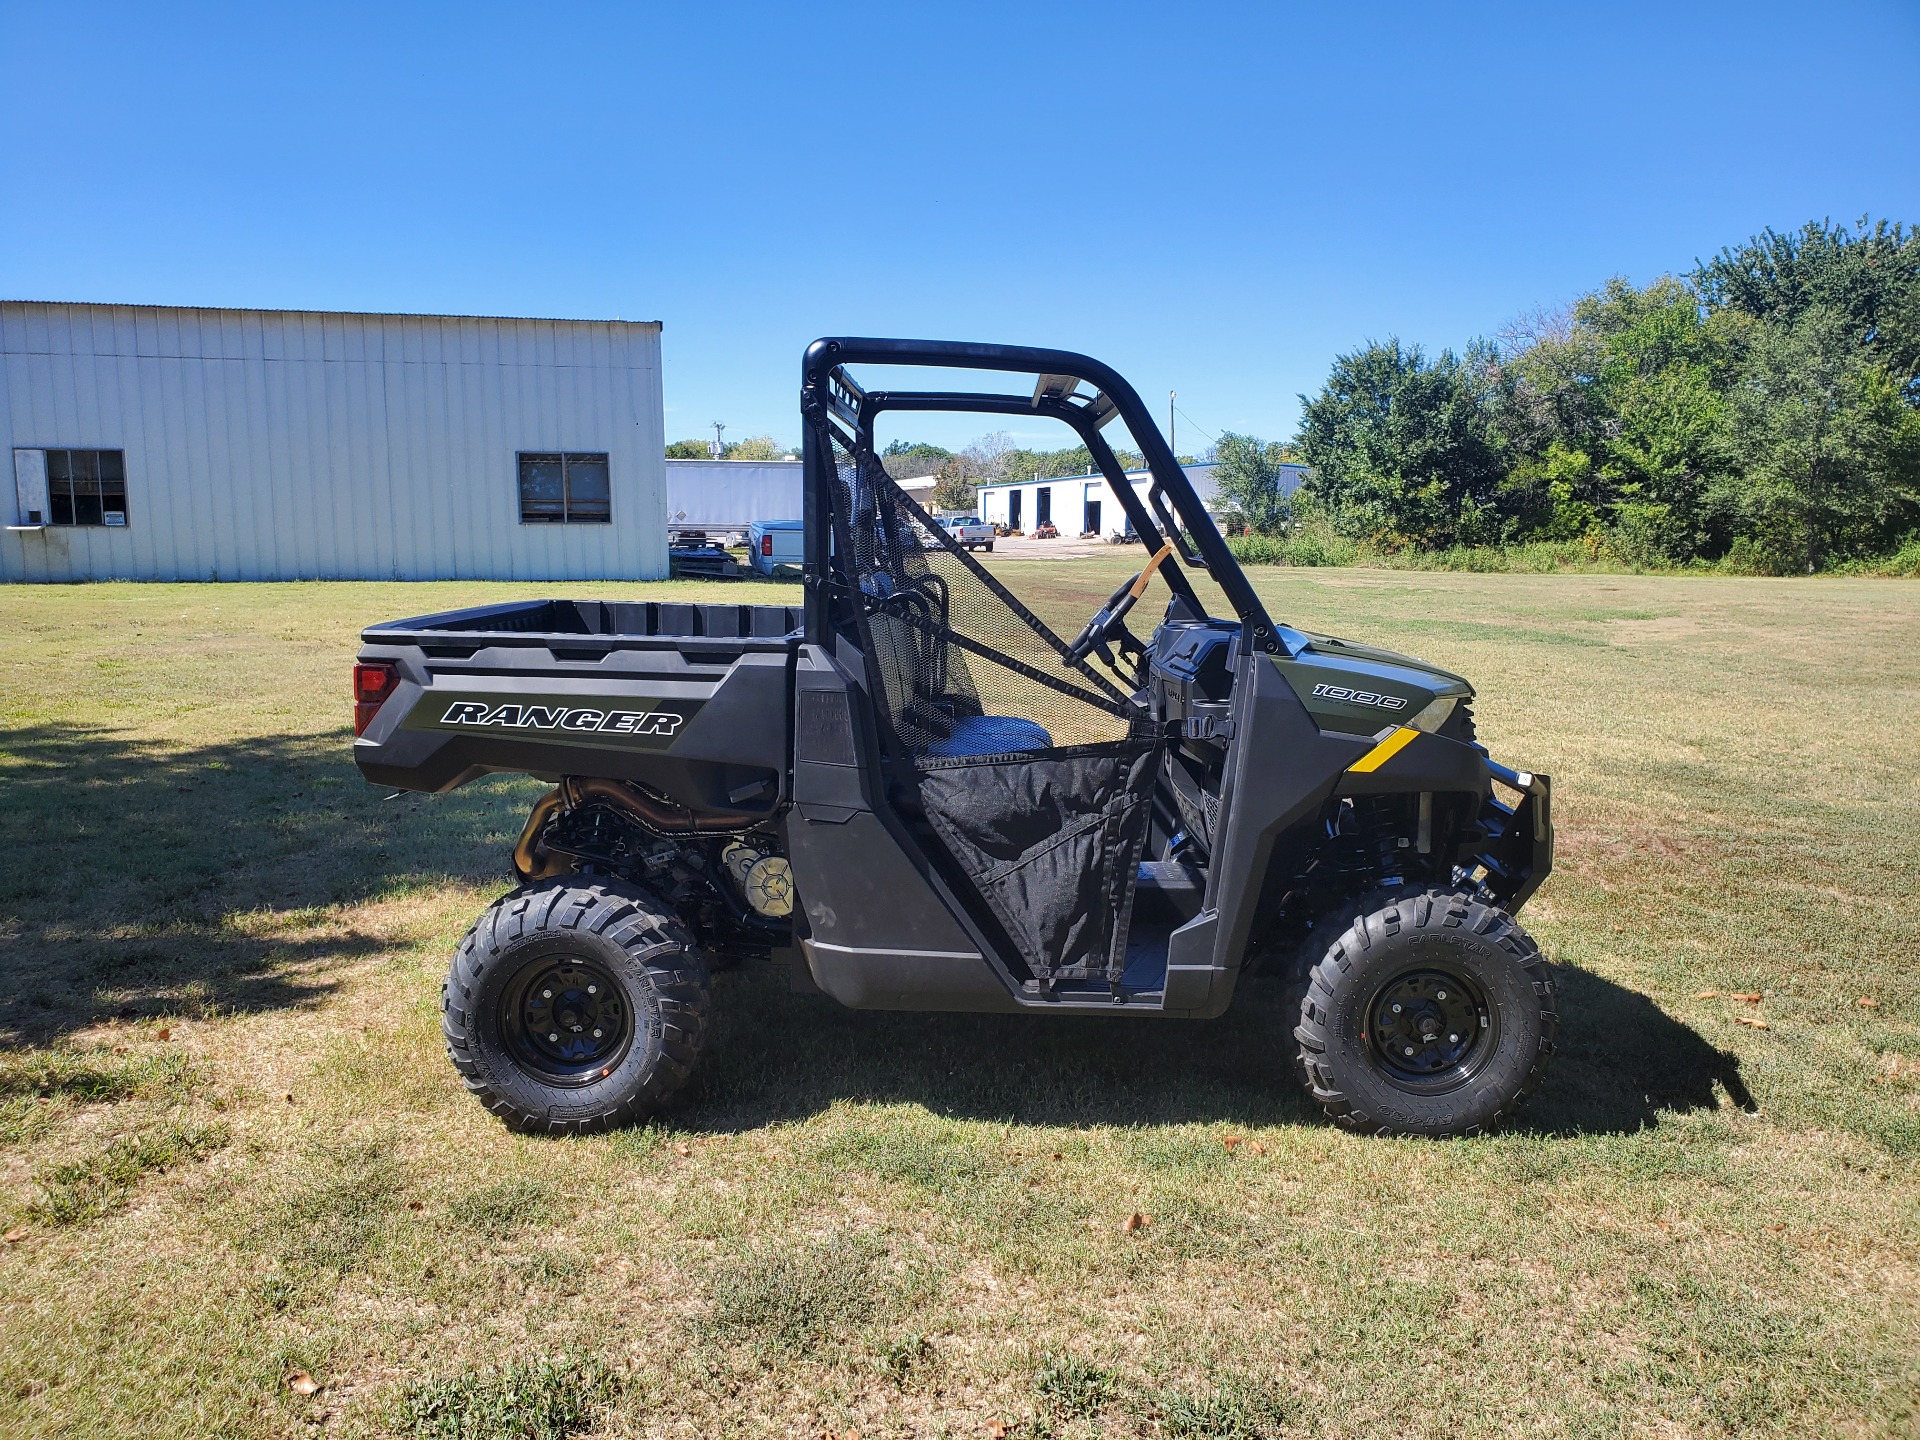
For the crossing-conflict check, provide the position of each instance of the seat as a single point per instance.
(974, 735)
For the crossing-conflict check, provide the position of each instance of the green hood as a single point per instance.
(1362, 689)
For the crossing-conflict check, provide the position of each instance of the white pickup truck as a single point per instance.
(970, 530)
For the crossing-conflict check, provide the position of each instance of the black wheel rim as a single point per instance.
(1431, 1029)
(566, 1018)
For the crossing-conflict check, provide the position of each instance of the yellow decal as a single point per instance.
(1385, 750)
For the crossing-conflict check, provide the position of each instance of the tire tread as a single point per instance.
(626, 917)
(1352, 928)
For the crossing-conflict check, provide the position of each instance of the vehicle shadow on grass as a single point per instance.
(147, 879)
(1622, 1065)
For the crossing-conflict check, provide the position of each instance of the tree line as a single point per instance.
(1761, 410)
(753, 447)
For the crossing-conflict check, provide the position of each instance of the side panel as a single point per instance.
(715, 740)
(1280, 769)
(878, 934)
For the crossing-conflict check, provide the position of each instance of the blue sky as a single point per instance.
(1215, 199)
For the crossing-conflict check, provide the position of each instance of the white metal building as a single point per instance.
(1086, 504)
(152, 443)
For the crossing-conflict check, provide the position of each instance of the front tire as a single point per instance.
(1430, 1014)
(574, 1005)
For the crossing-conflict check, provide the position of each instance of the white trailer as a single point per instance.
(721, 498)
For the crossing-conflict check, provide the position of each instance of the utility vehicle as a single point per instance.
(911, 789)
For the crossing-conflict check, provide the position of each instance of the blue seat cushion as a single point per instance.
(990, 735)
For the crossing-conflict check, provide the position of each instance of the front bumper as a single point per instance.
(1518, 852)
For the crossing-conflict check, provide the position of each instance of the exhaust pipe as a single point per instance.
(662, 816)
(655, 812)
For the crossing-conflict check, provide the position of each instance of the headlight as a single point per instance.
(1434, 716)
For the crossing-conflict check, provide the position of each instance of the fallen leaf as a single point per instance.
(1749, 1020)
(1133, 1222)
(1777, 1228)
(165, 1033)
(289, 1097)
(1056, 1154)
(1752, 997)
(1619, 929)
(1664, 1224)
(16, 1235)
(1230, 1141)
(996, 1431)
(1257, 1148)
(301, 1383)
(1706, 994)
(682, 1150)
(1867, 1002)
(416, 1204)
(119, 1049)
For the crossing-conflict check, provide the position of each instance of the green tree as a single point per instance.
(1660, 384)
(1866, 279)
(953, 489)
(1826, 448)
(1403, 449)
(754, 447)
(688, 450)
(905, 460)
(1248, 479)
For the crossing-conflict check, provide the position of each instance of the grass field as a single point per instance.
(231, 1151)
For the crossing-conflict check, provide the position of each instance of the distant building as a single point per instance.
(919, 489)
(153, 443)
(1086, 504)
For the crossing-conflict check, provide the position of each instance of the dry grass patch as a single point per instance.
(908, 1225)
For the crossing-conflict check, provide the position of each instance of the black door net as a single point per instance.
(1032, 772)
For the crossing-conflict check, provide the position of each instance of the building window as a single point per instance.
(86, 487)
(564, 490)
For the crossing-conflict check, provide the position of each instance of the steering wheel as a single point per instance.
(1107, 618)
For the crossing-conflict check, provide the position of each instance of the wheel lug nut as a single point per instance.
(596, 1034)
(1439, 994)
(546, 994)
(1409, 1050)
(593, 989)
(1396, 1009)
(555, 1037)
(1453, 1039)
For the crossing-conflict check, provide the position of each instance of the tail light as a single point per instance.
(372, 684)
(766, 545)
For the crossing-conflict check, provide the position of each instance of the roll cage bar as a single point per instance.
(835, 407)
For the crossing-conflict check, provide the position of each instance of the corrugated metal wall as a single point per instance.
(274, 445)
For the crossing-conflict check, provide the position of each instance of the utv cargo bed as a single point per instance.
(593, 688)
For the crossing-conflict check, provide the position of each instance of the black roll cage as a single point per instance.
(834, 406)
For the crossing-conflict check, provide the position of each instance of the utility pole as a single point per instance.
(715, 448)
(1170, 432)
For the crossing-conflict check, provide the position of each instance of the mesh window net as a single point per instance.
(1034, 774)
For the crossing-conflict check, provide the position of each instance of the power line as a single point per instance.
(1196, 425)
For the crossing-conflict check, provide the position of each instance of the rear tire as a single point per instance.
(574, 1005)
(1430, 1014)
